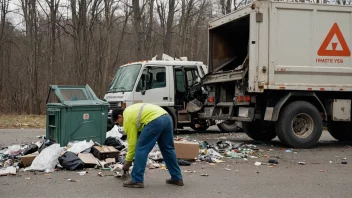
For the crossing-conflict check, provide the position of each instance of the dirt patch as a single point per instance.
(22, 121)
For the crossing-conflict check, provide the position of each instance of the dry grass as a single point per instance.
(22, 121)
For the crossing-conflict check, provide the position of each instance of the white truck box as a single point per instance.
(292, 46)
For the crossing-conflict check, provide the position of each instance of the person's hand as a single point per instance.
(126, 166)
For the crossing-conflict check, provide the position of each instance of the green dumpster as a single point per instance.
(76, 114)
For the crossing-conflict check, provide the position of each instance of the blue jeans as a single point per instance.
(159, 130)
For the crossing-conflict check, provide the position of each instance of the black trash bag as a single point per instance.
(111, 141)
(183, 163)
(70, 161)
(31, 149)
(46, 144)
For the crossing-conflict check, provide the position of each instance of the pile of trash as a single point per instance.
(214, 153)
(47, 155)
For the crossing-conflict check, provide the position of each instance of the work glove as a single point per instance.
(126, 166)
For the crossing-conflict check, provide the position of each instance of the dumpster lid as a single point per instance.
(75, 95)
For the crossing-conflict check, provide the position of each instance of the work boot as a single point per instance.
(131, 184)
(174, 182)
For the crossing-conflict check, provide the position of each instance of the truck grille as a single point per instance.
(114, 105)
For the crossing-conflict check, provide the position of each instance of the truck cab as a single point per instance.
(167, 83)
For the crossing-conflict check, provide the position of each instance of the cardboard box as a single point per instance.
(88, 158)
(28, 159)
(104, 152)
(186, 150)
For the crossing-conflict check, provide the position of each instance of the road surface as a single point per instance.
(322, 176)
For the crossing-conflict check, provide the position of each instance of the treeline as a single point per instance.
(78, 42)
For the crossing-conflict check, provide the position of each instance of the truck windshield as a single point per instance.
(125, 78)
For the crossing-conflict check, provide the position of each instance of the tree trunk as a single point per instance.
(137, 21)
(170, 20)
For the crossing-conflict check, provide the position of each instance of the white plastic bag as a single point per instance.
(155, 155)
(115, 132)
(47, 159)
(213, 154)
(13, 150)
(78, 147)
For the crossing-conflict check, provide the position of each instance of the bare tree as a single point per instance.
(170, 20)
(137, 21)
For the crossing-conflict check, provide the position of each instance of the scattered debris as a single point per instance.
(302, 163)
(257, 163)
(273, 161)
(27, 178)
(72, 180)
(228, 169)
(288, 151)
(183, 163)
(100, 174)
(8, 171)
(82, 173)
(344, 162)
(204, 174)
(189, 171)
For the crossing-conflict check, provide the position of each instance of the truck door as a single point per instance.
(154, 86)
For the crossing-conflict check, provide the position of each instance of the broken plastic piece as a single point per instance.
(82, 173)
(189, 171)
(183, 163)
(72, 180)
(302, 163)
(257, 163)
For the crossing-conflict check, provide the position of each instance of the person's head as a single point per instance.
(117, 116)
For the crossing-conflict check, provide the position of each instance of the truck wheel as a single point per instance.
(300, 125)
(259, 130)
(341, 131)
(199, 126)
(228, 126)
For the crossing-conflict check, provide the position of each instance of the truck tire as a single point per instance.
(199, 126)
(300, 125)
(228, 126)
(200, 129)
(259, 130)
(341, 131)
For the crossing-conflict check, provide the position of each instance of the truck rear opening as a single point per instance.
(228, 45)
(282, 69)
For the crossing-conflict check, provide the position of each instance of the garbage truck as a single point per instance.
(283, 70)
(165, 81)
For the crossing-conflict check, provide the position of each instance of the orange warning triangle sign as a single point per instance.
(323, 51)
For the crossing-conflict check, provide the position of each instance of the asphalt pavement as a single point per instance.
(323, 175)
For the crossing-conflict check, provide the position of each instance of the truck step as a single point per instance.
(224, 104)
(184, 122)
(182, 112)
